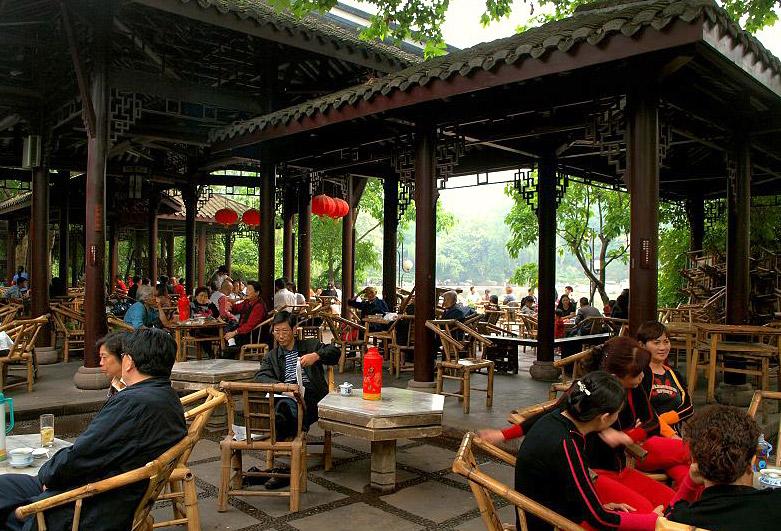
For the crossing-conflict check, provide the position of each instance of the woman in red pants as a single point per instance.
(629, 362)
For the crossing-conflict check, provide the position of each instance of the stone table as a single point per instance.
(401, 414)
(200, 374)
(32, 440)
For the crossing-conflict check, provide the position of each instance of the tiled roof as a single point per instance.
(263, 13)
(16, 202)
(590, 24)
(208, 210)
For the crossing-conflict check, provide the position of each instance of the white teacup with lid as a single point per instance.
(346, 389)
(20, 457)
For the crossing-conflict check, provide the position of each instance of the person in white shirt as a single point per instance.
(300, 299)
(473, 297)
(283, 298)
(222, 302)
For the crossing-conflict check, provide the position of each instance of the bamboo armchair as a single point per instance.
(483, 486)
(663, 524)
(349, 337)
(115, 324)
(69, 324)
(457, 364)
(258, 401)
(180, 490)
(23, 332)
(8, 313)
(756, 401)
(253, 351)
(158, 472)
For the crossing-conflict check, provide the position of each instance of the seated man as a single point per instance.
(146, 311)
(370, 305)
(283, 297)
(527, 305)
(279, 366)
(453, 308)
(585, 312)
(133, 428)
(718, 493)
(18, 290)
(223, 303)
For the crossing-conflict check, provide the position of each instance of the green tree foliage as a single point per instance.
(422, 21)
(673, 245)
(592, 221)
(526, 275)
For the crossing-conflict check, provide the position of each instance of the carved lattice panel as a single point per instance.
(125, 109)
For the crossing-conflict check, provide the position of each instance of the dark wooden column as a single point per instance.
(201, 246)
(390, 229)
(695, 214)
(228, 242)
(304, 239)
(63, 183)
(39, 249)
(348, 256)
(642, 177)
(89, 376)
(138, 253)
(288, 235)
(169, 254)
(425, 251)
(153, 243)
(543, 368)
(75, 269)
(738, 230)
(190, 198)
(10, 250)
(266, 256)
(113, 253)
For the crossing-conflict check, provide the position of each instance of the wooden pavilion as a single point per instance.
(665, 99)
(124, 94)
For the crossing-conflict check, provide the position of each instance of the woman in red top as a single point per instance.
(251, 312)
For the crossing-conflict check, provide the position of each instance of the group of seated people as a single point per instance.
(573, 459)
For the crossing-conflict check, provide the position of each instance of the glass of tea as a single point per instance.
(47, 430)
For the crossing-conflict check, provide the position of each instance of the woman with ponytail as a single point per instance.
(552, 466)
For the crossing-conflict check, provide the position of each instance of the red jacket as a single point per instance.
(251, 314)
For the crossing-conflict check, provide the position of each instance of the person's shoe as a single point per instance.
(277, 482)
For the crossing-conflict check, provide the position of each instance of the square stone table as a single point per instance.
(197, 375)
(400, 414)
(32, 440)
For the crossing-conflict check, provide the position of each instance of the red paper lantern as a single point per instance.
(251, 217)
(226, 216)
(322, 205)
(343, 207)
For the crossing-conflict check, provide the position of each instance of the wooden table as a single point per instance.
(685, 332)
(532, 342)
(711, 337)
(401, 414)
(32, 440)
(200, 374)
(186, 328)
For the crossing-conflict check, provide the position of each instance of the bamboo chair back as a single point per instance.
(483, 486)
(343, 329)
(157, 472)
(23, 332)
(451, 347)
(756, 401)
(253, 351)
(529, 325)
(116, 324)
(210, 399)
(258, 401)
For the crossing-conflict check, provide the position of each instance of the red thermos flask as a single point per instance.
(372, 374)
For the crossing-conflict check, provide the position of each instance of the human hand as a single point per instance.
(623, 507)
(309, 359)
(492, 436)
(615, 438)
(229, 335)
(659, 509)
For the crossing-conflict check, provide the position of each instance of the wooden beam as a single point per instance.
(81, 75)
(145, 49)
(268, 31)
(157, 85)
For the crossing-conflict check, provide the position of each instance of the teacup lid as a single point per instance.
(346, 385)
(21, 451)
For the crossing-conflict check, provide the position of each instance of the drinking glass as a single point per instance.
(47, 430)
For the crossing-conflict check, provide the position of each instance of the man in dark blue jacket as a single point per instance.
(135, 427)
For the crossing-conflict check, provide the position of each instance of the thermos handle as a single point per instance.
(10, 402)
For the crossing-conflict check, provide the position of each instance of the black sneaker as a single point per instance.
(278, 482)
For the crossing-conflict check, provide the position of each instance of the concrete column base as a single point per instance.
(90, 378)
(734, 395)
(46, 355)
(421, 385)
(544, 371)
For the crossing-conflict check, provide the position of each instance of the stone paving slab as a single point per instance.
(432, 500)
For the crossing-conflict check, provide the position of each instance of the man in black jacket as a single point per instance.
(135, 427)
(279, 366)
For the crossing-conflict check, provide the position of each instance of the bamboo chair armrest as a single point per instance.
(472, 332)
(569, 360)
(87, 491)
(494, 451)
(443, 335)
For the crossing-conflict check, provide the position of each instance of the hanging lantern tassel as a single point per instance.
(251, 218)
(226, 216)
